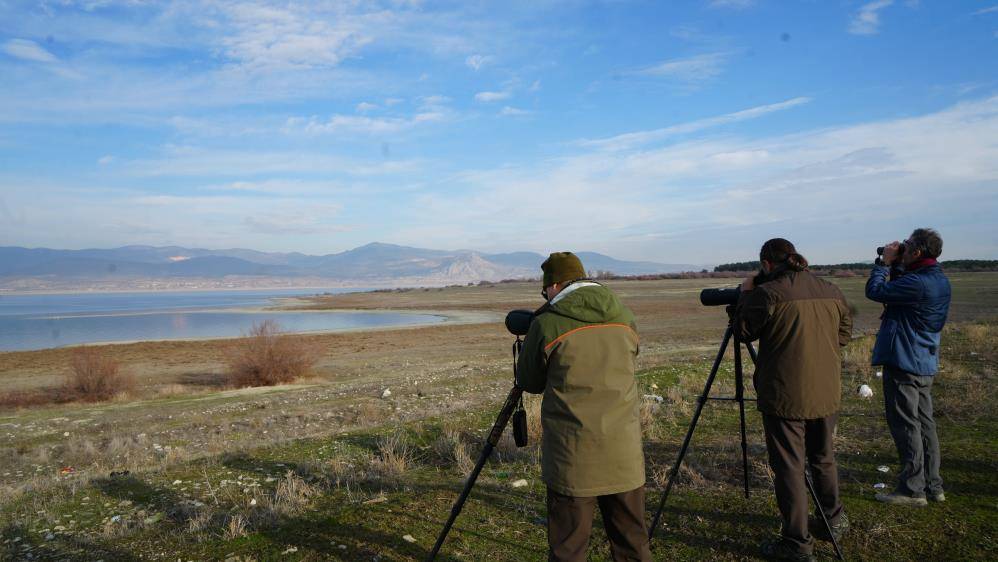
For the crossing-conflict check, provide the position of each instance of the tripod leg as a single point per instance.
(689, 432)
(740, 397)
(490, 443)
(824, 519)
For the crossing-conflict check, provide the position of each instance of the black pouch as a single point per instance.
(520, 426)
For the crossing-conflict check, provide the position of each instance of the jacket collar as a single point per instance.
(926, 262)
(573, 287)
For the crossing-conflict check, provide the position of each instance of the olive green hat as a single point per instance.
(561, 267)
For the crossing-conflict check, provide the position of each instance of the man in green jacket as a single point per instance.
(801, 322)
(580, 353)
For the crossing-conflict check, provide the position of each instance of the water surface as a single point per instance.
(44, 321)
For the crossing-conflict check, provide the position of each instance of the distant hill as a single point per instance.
(373, 264)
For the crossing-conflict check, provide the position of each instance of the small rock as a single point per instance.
(883, 468)
(253, 501)
(153, 519)
(654, 398)
(290, 550)
(386, 393)
(519, 483)
(177, 482)
(115, 519)
(864, 391)
(880, 485)
(65, 434)
(342, 547)
(49, 537)
(880, 373)
(409, 538)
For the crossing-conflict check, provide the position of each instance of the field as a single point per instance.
(335, 467)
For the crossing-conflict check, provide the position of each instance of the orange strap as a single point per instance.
(570, 332)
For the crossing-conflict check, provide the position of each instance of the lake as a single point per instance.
(43, 321)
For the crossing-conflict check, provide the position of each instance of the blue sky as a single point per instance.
(681, 132)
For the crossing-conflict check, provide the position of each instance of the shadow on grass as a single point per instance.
(33, 546)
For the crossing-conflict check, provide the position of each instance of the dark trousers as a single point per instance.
(570, 521)
(908, 404)
(789, 442)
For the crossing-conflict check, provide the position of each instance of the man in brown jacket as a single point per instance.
(580, 353)
(802, 323)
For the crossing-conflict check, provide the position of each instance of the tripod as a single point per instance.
(511, 403)
(740, 398)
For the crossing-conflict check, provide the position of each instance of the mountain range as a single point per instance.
(374, 263)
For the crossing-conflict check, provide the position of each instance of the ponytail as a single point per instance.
(782, 254)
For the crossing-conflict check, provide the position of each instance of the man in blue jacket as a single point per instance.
(916, 302)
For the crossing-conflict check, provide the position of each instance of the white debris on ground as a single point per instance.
(409, 538)
(386, 393)
(864, 391)
(519, 483)
(654, 398)
(883, 468)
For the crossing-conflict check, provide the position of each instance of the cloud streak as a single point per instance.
(867, 19)
(630, 140)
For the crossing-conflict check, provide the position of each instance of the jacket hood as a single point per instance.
(591, 304)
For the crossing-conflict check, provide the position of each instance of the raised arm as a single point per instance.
(905, 290)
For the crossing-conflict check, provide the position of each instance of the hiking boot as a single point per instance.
(936, 496)
(838, 529)
(779, 549)
(895, 498)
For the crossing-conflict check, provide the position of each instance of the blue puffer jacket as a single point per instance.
(917, 305)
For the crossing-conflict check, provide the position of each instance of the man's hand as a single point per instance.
(749, 283)
(891, 252)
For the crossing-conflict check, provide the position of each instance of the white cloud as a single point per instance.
(359, 124)
(476, 62)
(364, 106)
(287, 37)
(982, 11)
(939, 169)
(630, 140)
(491, 96)
(105, 160)
(867, 19)
(513, 112)
(692, 70)
(536, 86)
(389, 102)
(28, 50)
(194, 161)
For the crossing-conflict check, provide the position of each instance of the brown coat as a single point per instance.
(802, 322)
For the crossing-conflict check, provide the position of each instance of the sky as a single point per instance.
(677, 132)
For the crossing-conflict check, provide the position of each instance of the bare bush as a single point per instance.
(95, 377)
(267, 357)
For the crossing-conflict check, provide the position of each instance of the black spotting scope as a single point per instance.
(711, 297)
(518, 321)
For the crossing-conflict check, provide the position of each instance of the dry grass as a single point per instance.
(396, 454)
(236, 527)
(452, 450)
(981, 336)
(95, 377)
(293, 494)
(267, 357)
(856, 355)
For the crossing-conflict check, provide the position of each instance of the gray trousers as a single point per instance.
(908, 404)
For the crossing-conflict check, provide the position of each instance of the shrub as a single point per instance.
(94, 376)
(266, 357)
